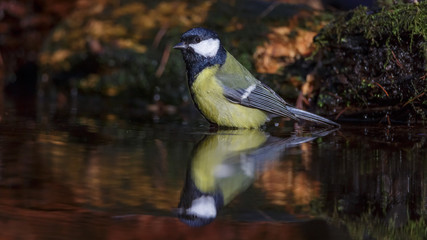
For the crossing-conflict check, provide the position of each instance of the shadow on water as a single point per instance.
(110, 177)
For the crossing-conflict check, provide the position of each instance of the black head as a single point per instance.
(197, 35)
(200, 48)
(197, 208)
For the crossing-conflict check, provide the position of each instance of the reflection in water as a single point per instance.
(116, 178)
(225, 164)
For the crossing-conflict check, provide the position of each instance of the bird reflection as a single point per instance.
(225, 164)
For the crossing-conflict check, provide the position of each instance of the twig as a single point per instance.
(265, 215)
(269, 9)
(341, 112)
(411, 100)
(163, 61)
(355, 111)
(301, 100)
(397, 61)
(1, 60)
(388, 120)
(162, 31)
(379, 85)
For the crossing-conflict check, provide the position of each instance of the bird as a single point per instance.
(225, 163)
(225, 92)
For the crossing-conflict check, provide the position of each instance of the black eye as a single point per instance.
(197, 39)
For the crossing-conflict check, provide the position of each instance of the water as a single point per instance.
(80, 175)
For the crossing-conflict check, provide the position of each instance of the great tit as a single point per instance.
(225, 92)
(224, 164)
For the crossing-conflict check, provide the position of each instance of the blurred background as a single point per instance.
(120, 52)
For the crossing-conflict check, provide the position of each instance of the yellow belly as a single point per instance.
(208, 95)
(224, 148)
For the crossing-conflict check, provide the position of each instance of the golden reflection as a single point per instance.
(103, 177)
(291, 189)
(285, 186)
(225, 163)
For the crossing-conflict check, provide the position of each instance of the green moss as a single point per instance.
(373, 227)
(388, 23)
(381, 56)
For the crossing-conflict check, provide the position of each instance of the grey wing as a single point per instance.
(242, 88)
(260, 96)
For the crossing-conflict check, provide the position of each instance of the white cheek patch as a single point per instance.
(203, 207)
(206, 48)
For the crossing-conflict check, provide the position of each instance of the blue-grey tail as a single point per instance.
(301, 114)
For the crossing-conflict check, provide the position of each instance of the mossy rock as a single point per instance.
(372, 64)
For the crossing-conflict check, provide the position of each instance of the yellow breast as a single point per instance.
(208, 95)
(224, 148)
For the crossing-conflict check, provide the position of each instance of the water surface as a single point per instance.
(87, 176)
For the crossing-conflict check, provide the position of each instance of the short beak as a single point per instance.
(180, 45)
